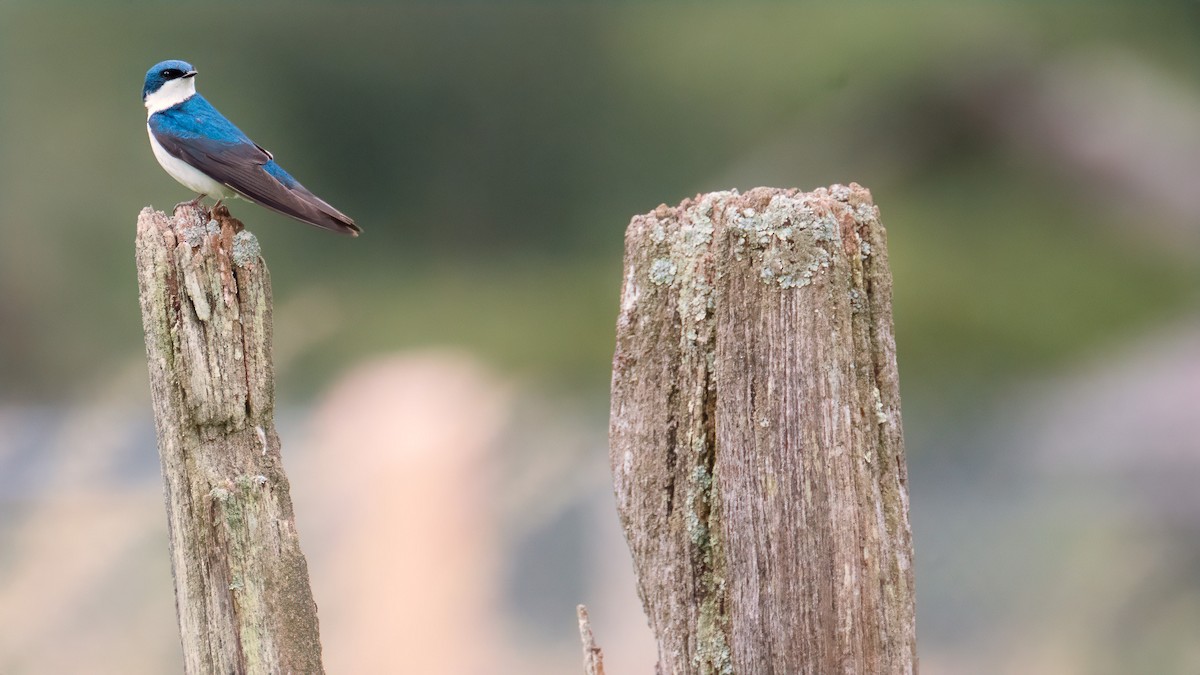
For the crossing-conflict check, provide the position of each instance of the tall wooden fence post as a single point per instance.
(241, 581)
(756, 442)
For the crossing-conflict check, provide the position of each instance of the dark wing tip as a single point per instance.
(331, 219)
(349, 228)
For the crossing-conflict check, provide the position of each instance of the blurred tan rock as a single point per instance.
(394, 488)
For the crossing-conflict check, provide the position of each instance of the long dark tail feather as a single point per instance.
(306, 207)
(333, 220)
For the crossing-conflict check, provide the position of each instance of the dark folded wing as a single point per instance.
(252, 173)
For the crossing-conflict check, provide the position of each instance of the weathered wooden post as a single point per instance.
(756, 442)
(593, 657)
(241, 581)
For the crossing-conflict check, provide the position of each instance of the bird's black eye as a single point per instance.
(171, 73)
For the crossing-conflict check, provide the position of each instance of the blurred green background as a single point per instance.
(1035, 165)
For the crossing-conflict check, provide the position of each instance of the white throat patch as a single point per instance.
(172, 93)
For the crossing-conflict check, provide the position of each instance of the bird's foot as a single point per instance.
(192, 203)
(220, 213)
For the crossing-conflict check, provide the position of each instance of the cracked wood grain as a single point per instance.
(755, 436)
(241, 581)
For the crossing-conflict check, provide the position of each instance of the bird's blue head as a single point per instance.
(169, 79)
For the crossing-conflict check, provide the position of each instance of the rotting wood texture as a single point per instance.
(756, 442)
(241, 582)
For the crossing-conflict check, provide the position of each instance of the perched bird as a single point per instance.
(209, 155)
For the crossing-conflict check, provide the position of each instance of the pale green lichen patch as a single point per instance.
(234, 498)
(712, 646)
(866, 212)
(858, 303)
(789, 239)
(235, 517)
(193, 235)
(702, 524)
(689, 247)
(662, 271)
(245, 249)
(696, 514)
(682, 239)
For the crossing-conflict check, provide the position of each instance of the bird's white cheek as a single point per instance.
(170, 94)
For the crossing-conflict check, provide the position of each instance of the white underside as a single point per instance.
(188, 176)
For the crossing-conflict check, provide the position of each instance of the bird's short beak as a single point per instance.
(190, 73)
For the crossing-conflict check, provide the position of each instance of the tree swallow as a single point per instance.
(206, 153)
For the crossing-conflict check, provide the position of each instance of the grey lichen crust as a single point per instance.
(789, 235)
(245, 249)
(769, 311)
